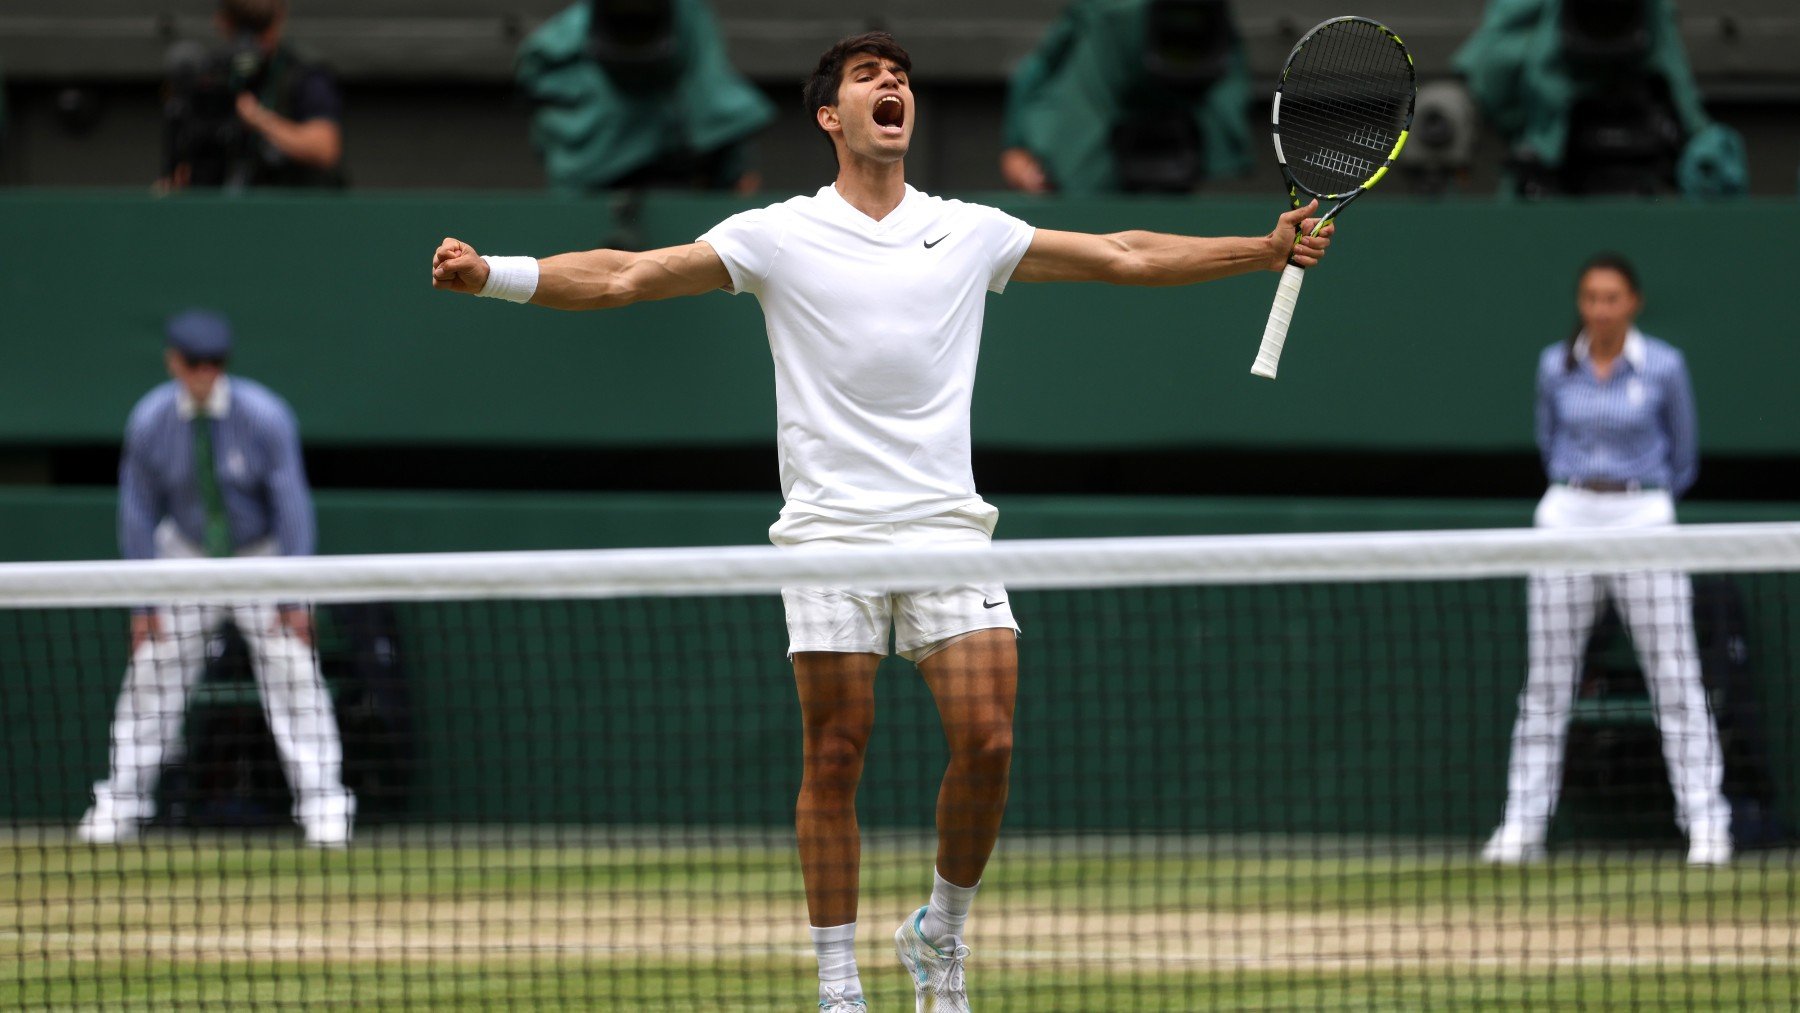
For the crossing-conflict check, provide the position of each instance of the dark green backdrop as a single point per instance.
(1422, 332)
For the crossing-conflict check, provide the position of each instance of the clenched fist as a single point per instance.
(456, 267)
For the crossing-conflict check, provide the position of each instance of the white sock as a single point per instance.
(948, 910)
(836, 947)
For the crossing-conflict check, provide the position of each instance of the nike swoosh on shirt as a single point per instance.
(992, 604)
(938, 240)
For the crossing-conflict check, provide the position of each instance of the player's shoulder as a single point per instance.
(984, 220)
(957, 206)
(777, 215)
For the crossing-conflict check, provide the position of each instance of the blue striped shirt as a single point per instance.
(1637, 425)
(256, 453)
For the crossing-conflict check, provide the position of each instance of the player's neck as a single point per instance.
(874, 188)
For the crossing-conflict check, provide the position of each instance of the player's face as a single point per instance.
(1606, 303)
(874, 110)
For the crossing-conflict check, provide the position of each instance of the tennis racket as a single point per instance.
(1342, 110)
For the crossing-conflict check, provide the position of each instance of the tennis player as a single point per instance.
(873, 295)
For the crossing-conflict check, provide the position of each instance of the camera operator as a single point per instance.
(254, 112)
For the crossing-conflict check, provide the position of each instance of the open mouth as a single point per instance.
(890, 113)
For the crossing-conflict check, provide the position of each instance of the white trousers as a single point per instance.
(147, 721)
(1657, 607)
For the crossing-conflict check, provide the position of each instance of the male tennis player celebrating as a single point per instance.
(873, 295)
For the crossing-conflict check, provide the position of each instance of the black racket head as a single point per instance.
(1343, 108)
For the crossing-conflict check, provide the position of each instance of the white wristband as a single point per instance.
(511, 278)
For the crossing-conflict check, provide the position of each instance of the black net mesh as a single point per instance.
(1250, 797)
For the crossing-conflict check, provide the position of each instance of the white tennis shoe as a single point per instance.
(835, 1001)
(110, 820)
(1514, 844)
(1710, 844)
(937, 973)
(329, 820)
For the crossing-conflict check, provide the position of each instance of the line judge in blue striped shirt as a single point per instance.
(212, 467)
(1615, 425)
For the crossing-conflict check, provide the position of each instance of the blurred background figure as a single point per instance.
(1616, 427)
(639, 93)
(253, 112)
(1135, 96)
(212, 468)
(1596, 97)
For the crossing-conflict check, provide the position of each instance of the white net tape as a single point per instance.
(1048, 563)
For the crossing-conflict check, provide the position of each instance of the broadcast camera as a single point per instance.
(635, 42)
(201, 128)
(1187, 49)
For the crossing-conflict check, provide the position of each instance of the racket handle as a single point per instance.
(1280, 316)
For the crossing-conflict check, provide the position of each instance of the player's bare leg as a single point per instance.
(837, 711)
(975, 682)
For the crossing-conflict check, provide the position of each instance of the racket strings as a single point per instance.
(1345, 99)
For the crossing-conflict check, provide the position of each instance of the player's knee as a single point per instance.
(835, 757)
(989, 749)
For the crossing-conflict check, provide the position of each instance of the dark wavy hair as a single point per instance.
(822, 87)
(1607, 261)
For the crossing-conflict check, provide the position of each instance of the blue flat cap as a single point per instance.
(200, 334)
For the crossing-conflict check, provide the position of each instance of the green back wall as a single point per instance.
(1421, 333)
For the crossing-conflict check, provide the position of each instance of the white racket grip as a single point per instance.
(1280, 316)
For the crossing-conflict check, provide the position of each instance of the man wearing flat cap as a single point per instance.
(212, 468)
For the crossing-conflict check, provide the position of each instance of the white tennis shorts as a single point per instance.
(861, 621)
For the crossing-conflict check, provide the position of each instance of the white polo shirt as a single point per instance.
(875, 328)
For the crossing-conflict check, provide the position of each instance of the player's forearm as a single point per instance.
(602, 279)
(589, 280)
(1154, 258)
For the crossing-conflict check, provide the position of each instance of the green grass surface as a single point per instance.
(602, 986)
(1083, 925)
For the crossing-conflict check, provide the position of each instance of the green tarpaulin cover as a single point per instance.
(591, 132)
(1066, 97)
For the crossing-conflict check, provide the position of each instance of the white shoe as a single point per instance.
(1514, 844)
(328, 821)
(833, 1000)
(937, 974)
(1709, 844)
(110, 821)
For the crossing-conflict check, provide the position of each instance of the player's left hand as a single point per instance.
(1291, 238)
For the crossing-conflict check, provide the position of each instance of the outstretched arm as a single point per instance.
(594, 279)
(1153, 258)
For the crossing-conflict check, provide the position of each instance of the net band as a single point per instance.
(1024, 564)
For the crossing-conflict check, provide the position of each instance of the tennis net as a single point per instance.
(1247, 772)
